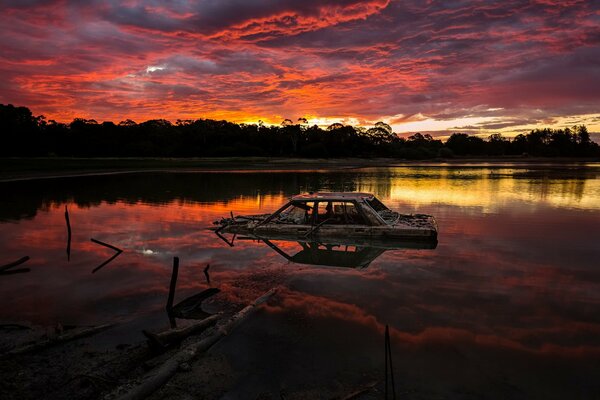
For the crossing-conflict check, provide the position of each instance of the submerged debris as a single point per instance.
(330, 215)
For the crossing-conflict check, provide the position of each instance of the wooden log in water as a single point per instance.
(14, 263)
(60, 339)
(163, 339)
(160, 375)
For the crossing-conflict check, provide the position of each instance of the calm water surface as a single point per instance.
(506, 306)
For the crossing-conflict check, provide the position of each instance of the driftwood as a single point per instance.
(14, 263)
(60, 339)
(163, 339)
(158, 377)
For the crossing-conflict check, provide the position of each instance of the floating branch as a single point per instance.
(118, 252)
(158, 377)
(68, 234)
(14, 263)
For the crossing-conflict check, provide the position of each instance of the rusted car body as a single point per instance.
(333, 216)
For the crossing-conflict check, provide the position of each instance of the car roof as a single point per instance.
(340, 196)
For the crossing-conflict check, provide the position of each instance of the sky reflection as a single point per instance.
(515, 269)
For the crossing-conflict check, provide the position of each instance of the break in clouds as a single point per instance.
(475, 64)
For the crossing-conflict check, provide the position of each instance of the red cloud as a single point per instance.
(250, 60)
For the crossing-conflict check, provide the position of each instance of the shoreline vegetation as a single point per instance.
(26, 135)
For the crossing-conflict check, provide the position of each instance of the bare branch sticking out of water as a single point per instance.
(110, 246)
(14, 263)
(388, 360)
(161, 374)
(68, 234)
(118, 252)
(206, 273)
(172, 286)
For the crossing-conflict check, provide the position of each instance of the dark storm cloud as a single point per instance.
(513, 61)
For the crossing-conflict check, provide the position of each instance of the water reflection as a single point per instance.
(488, 188)
(509, 299)
(351, 253)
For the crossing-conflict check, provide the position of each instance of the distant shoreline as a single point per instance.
(25, 168)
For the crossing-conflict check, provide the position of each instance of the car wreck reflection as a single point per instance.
(352, 253)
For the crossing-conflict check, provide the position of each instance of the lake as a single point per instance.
(507, 305)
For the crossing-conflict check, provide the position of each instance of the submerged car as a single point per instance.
(333, 215)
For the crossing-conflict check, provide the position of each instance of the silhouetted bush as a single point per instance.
(24, 134)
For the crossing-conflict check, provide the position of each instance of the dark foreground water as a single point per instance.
(506, 306)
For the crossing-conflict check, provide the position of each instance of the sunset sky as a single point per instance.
(427, 66)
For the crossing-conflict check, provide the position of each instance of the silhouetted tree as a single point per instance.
(23, 134)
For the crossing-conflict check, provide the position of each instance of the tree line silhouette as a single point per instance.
(24, 134)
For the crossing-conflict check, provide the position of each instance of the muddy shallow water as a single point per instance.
(506, 306)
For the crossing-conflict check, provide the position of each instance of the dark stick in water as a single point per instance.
(171, 297)
(106, 245)
(15, 263)
(68, 234)
(206, 273)
(106, 262)
(388, 357)
(15, 271)
(118, 250)
(162, 373)
(173, 283)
